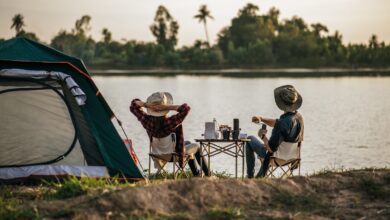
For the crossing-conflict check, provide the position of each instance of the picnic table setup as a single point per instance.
(221, 139)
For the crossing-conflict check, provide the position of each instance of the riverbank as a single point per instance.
(357, 194)
(276, 72)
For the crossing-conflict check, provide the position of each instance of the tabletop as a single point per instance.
(222, 140)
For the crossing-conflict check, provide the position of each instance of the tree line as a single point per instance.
(251, 40)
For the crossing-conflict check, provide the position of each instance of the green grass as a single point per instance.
(222, 175)
(11, 208)
(374, 188)
(306, 202)
(73, 186)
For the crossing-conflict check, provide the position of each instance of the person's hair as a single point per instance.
(158, 121)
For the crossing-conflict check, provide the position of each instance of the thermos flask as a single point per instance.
(236, 128)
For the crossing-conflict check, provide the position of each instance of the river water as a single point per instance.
(347, 120)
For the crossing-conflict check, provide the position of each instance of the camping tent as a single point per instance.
(54, 120)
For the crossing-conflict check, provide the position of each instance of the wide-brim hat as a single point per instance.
(287, 98)
(162, 98)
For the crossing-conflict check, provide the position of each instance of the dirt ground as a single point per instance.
(358, 194)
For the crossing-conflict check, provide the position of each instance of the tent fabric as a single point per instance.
(23, 49)
(90, 149)
(53, 170)
(21, 53)
(34, 74)
(36, 125)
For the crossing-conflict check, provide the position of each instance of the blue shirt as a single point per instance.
(289, 128)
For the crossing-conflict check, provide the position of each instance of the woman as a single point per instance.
(159, 127)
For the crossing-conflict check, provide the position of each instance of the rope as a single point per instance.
(127, 138)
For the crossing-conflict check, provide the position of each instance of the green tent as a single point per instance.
(54, 120)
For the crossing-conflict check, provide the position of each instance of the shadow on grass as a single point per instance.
(223, 213)
(306, 202)
(375, 188)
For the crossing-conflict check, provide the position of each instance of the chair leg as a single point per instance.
(161, 170)
(150, 162)
(180, 171)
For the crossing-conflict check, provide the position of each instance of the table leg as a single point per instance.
(201, 156)
(243, 159)
(208, 157)
(236, 158)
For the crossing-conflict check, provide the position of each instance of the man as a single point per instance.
(287, 129)
(160, 128)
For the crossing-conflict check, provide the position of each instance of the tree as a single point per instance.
(318, 28)
(273, 15)
(248, 27)
(82, 25)
(106, 35)
(204, 13)
(249, 10)
(18, 24)
(76, 42)
(165, 28)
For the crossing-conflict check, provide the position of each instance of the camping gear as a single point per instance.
(162, 151)
(284, 161)
(54, 120)
(263, 127)
(211, 130)
(232, 148)
(225, 133)
(236, 129)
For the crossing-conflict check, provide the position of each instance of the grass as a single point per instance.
(17, 202)
(307, 202)
(73, 186)
(222, 175)
(11, 208)
(374, 188)
(223, 214)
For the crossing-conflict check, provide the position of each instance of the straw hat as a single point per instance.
(162, 98)
(287, 98)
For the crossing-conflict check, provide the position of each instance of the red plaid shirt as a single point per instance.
(170, 125)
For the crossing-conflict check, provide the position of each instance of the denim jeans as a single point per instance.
(195, 163)
(252, 147)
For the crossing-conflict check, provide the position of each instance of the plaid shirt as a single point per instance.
(171, 125)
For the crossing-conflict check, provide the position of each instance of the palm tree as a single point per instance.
(204, 13)
(106, 35)
(18, 23)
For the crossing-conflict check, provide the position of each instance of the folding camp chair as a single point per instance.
(169, 158)
(285, 161)
(161, 160)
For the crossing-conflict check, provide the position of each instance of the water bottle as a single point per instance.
(263, 127)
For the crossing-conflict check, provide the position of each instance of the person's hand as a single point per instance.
(157, 107)
(256, 119)
(262, 133)
(140, 103)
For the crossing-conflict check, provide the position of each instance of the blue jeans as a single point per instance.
(252, 147)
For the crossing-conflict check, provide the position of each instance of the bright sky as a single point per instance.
(130, 19)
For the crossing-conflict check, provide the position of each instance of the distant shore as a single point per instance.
(238, 72)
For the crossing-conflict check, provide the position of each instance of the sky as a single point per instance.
(357, 20)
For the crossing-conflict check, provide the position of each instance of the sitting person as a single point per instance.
(161, 128)
(287, 129)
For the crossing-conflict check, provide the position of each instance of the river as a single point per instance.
(347, 119)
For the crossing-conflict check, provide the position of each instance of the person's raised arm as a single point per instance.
(159, 107)
(136, 108)
(268, 121)
(182, 112)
